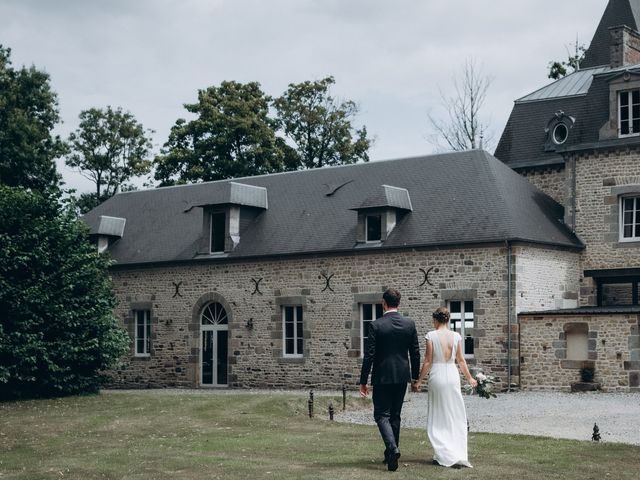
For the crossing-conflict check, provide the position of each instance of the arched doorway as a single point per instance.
(214, 345)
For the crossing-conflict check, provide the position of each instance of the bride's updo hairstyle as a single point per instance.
(441, 315)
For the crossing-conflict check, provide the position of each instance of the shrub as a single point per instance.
(58, 332)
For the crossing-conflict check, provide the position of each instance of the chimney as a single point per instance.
(625, 46)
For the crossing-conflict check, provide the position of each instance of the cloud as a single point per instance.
(151, 56)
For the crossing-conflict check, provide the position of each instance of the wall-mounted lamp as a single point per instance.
(249, 324)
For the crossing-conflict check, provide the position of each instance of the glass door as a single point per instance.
(214, 346)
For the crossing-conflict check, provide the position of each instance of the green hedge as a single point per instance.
(58, 332)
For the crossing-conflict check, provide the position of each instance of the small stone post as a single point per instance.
(344, 397)
(331, 411)
(310, 404)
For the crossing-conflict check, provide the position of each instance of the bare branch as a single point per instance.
(463, 127)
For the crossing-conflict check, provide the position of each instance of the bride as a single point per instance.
(446, 414)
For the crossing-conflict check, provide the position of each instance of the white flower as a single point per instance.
(480, 377)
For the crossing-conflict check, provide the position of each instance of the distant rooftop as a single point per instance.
(576, 83)
(617, 12)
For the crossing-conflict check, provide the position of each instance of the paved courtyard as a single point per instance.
(550, 414)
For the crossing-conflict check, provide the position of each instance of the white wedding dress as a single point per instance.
(446, 414)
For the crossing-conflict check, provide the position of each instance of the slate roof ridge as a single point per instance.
(494, 167)
(505, 178)
(303, 171)
(621, 69)
(598, 70)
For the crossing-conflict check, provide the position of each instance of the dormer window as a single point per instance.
(560, 134)
(374, 228)
(557, 130)
(231, 209)
(624, 106)
(379, 213)
(218, 232)
(107, 231)
(629, 113)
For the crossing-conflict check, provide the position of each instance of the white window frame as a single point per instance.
(630, 119)
(373, 311)
(146, 323)
(216, 321)
(295, 353)
(554, 138)
(635, 220)
(366, 227)
(463, 319)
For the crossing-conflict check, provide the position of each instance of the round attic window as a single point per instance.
(560, 134)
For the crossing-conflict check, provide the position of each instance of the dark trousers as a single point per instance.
(387, 406)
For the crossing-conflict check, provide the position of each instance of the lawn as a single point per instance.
(164, 435)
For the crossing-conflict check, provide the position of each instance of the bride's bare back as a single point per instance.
(445, 337)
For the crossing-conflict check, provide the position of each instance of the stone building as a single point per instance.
(272, 281)
(578, 140)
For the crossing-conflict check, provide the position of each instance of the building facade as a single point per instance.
(272, 281)
(577, 139)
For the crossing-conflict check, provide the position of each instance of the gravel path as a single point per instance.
(548, 414)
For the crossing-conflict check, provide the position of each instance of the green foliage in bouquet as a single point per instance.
(485, 385)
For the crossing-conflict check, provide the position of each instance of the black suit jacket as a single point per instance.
(392, 341)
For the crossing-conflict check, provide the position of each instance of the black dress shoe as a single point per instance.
(392, 460)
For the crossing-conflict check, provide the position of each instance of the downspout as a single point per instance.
(570, 202)
(509, 319)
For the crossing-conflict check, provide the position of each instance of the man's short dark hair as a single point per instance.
(392, 297)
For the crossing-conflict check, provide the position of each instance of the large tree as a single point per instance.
(320, 126)
(231, 136)
(28, 114)
(109, 147)
(58, 332)
(462, 127)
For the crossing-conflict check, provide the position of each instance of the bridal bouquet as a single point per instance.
(484, 388)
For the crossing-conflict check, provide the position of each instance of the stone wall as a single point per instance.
(599, 176)
(613, 351)
(543, 278)
(546, 279)
(253, 292)
(550, 180)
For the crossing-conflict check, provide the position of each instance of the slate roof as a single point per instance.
(457, 198)
(523, 139)
(617, 12)
(583, 95)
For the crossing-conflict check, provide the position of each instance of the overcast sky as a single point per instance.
(390, 56)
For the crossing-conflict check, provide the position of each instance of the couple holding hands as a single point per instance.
(392, 350)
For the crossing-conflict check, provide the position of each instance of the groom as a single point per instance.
(392, 339)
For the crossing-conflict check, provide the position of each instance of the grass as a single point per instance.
(158, 435)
